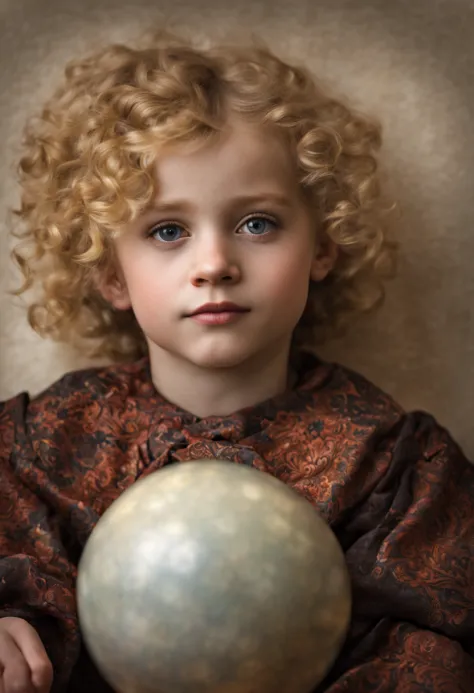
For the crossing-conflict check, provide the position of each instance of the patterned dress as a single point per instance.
(394, 487)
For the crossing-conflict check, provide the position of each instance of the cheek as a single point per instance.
(287, 288)
(148, 283)
(288, 279)
(139, 268)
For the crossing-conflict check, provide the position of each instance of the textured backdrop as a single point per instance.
(410, 62)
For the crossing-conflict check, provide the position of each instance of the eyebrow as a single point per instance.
(184, 205)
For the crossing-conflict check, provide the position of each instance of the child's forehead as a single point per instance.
(250, 152)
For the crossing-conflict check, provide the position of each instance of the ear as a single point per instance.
(114, 290)
(324, 259)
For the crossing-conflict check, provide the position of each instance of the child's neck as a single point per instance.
(206, 392)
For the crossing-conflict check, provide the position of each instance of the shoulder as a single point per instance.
(417, 428)
(79, 394)
(93, 384)
(361, 407)
(337, 390)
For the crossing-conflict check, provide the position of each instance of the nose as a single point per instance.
(213, 263)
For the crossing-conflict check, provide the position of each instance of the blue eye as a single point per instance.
(258, 226)
(167, 232)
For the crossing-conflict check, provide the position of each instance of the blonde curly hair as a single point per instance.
(87, 169)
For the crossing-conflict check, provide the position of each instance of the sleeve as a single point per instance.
(36, 577)
(410, 552)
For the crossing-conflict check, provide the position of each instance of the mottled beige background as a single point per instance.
(411, 62)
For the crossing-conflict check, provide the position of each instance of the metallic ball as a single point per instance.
(212, 577)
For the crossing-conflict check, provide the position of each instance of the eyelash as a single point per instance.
(264, 216)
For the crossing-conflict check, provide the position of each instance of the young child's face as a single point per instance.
(229, 224)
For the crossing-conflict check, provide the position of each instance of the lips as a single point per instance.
(218, 314)
(224, 307)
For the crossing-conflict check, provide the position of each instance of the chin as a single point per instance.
(222, 362)
(217, 358)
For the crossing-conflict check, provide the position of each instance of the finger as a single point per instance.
(16, 672)
(41, 669)
(39, 663)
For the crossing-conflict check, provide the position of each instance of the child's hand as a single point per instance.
(24, 664)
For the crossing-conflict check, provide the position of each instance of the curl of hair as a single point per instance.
(87, 170)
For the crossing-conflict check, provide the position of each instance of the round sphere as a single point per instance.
(212, 577)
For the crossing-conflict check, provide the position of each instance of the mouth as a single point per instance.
(218, 313)
(218, 308)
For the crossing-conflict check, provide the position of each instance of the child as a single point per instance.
(202, 216)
